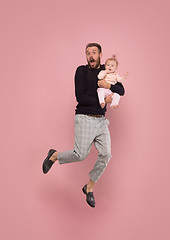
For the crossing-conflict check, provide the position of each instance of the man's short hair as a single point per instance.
(94, 45)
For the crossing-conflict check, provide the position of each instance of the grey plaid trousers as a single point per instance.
(88, 130)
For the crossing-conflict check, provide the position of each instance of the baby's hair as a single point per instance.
(113, 58)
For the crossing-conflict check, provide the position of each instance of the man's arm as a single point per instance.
(109, 98)
(103, 84)
(117, 88)
(80, 88)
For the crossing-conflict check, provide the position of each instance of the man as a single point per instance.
(90, 122)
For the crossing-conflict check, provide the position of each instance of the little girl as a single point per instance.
(111, 77)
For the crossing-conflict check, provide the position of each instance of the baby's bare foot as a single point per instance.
(114, 106)
(102, 105)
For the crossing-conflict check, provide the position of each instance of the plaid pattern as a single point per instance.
(88, 130)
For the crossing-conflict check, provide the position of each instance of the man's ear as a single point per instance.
(101, 55)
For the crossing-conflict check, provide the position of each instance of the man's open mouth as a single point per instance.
(92, 60)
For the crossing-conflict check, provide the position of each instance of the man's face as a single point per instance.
(93, 57)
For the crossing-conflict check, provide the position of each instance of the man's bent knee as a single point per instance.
(80, 157)
(105, 157)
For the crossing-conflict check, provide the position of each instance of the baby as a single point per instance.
(111, 77)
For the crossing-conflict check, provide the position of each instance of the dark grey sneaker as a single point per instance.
(47, 164)
(89, 196)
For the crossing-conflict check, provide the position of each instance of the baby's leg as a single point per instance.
(101, 96)
(115, 100)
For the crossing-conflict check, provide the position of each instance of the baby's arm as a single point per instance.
(121, 78)
(101, 74)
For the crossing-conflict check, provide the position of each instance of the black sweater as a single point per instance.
(86, 90)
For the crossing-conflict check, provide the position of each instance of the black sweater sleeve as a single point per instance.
(118, 88)
(80, 88)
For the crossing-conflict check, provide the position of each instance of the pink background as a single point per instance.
(42, 43)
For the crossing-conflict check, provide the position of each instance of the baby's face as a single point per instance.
(110, 66)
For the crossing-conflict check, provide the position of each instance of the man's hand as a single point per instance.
(109, 99)
(103, 84)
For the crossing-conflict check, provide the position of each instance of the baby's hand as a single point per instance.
(125, 75)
